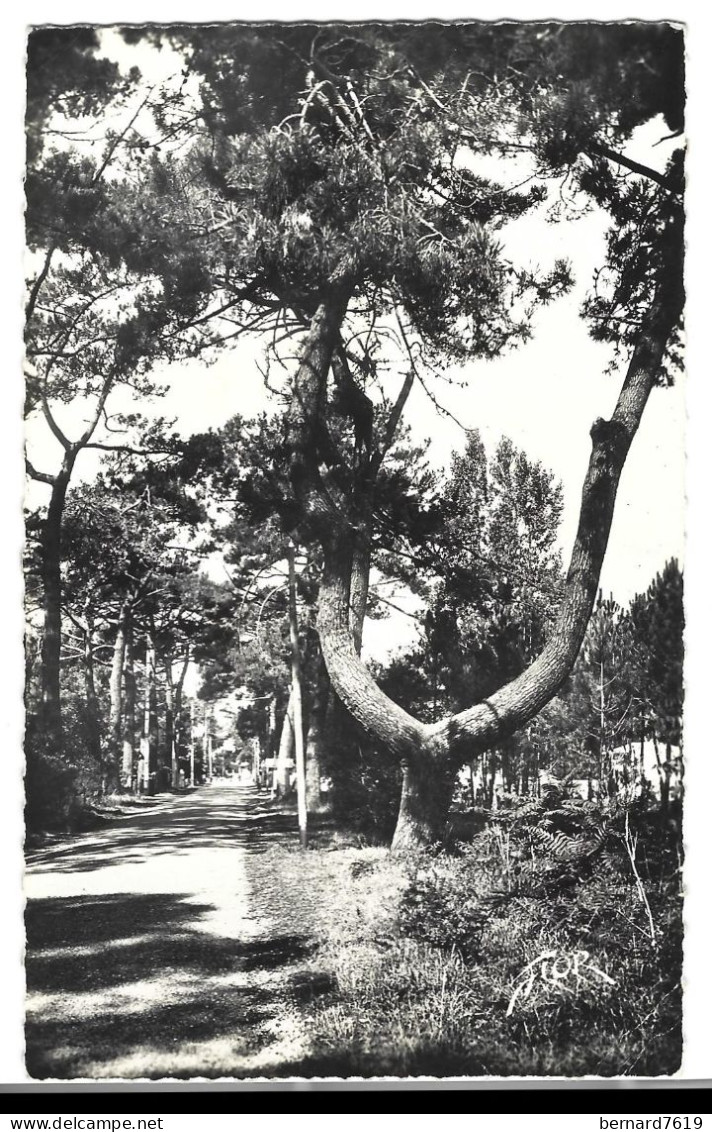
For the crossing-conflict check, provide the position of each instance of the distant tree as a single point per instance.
(658, 622)
(495, 584)
(602, 693)
(97, 318)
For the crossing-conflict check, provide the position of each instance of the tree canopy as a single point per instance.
(333, 188)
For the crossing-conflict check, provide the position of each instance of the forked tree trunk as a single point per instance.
(431, 753)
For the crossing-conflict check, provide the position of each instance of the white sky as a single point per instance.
(650, 497)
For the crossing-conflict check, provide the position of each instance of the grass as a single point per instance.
(423, 969)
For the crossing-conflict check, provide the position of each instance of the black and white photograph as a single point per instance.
(354, 550)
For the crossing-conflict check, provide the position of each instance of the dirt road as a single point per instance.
(150, 954)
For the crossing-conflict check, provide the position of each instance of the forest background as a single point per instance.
(698, 1061)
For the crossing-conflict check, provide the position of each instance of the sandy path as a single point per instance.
(147, 956)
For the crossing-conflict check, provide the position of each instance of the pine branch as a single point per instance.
(41, 477)
(599, 150)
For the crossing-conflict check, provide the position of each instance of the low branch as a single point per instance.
(41, 477)
(128, 448)
(37, 285)
(53, 426)
(599, 150)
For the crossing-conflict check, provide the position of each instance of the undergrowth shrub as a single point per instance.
(51, 797)
(509, 958)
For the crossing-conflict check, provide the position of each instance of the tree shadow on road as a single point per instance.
(249, 825)
(127, 985)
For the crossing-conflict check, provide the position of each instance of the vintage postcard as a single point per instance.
(354, 560)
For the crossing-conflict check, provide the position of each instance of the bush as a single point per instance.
(50, 785)
(579, 972)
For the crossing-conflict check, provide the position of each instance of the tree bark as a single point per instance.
(315, 739)
(207, 744)
(360, 579)
(305, 424)
(154, 764)
(426, 796)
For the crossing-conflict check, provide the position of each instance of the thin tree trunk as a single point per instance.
(51, 571)
(257, 772)
(192, 743)
(296, 694)
(168, 735)
(207, 744)
(668, 772)
(128, 732)
(659, 766)
(148, 779)
(316, 738)
(116, 692)
(271, 745)
(177, 718)
(154, 765)
(286, 750)
(92, 704)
